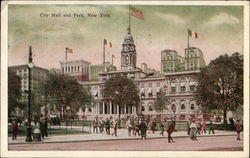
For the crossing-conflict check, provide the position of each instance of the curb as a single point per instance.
(94, 140)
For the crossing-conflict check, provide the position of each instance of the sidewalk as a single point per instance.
(122, 135)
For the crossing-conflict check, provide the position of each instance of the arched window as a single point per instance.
(173, 107)
(150, 108)
(183, 107)
(142, 108)
(192, 107)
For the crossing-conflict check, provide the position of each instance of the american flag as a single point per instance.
(136, 13)
(69, 50)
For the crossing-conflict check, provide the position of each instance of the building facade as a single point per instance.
(38, 78)
(79, 69)
(178, 79)
(96, 69)
(172, 62)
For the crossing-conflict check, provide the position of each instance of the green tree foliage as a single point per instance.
(221, 84)
(161, 102)
(14, 92)
(66, 93)
(121, 91)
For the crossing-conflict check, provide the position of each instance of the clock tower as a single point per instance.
(128, 53)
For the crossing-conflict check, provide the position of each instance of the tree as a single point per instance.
(221, 84)
(121, 91)
(14, 92)
(66, 93)
(161, 102)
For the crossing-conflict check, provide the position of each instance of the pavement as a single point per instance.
(122, 134)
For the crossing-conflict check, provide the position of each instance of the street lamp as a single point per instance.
(30, 66)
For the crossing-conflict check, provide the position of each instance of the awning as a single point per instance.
(183, 84)
(157, 89)
(95, 93)
(142, 90)
(193, 83)
(149, 90)
(173, 84)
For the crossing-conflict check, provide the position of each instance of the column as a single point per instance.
(187, 85)
(103, 107)
(169, 86)
(117, 109)
(125, 110)
(110, 108)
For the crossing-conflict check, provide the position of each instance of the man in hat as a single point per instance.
(143, 128)
(115, 126)
(95, 125)
(170, 129)
(107, 126)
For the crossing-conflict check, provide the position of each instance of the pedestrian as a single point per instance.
(211, 127)
(143, 128)
(198, 124)
(115, 126)
(41, 126)
(162, 128)
(101, 125)
(129, 127)
(153, 126)
(46, 126)
(95, 125)
(170, 129)
(193, 130)
(137, 127)
(238, 128)
(203, 126)
(14, 126)
(36, 119)
(107, 126)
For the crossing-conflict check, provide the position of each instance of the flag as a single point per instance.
(69, 50)
(136, 13)
(108, 43)
(192, 34)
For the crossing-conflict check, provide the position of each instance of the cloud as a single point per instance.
(223, 18)
(171, 18)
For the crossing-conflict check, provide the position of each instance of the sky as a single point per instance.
(219, 28)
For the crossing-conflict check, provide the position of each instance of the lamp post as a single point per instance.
(30, 66)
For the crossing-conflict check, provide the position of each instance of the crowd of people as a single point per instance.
(135, 126)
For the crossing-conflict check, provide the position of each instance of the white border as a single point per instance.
(4, 57)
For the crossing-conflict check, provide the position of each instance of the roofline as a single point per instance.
(26, 65)
(72, 61)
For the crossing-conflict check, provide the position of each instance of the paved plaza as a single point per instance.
(122, 135)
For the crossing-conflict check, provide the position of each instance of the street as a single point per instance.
(213, 143)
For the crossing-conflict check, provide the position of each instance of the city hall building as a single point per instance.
(178, 78)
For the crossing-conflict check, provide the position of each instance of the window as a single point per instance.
(192, 107)
(173, 89)
(89, 109)
(150, 108)
(158, 84)
(142, 108)
(183, 88)
(192, 88)
(183, 107)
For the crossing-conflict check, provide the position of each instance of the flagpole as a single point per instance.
(66, 54)
(129, 19)
(188, 51)
(104, 54)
